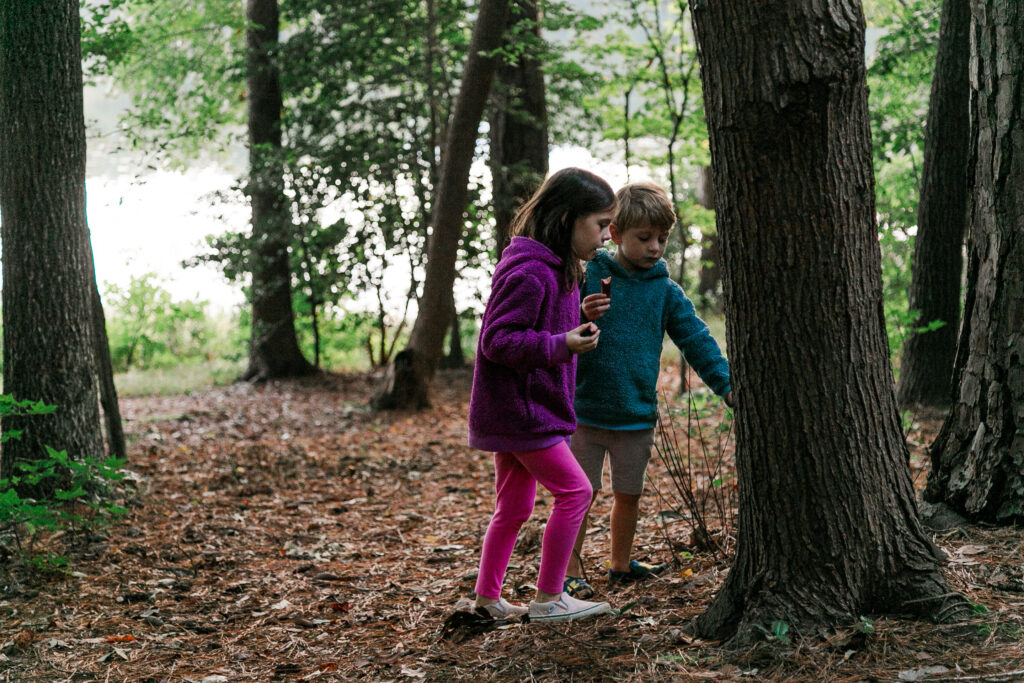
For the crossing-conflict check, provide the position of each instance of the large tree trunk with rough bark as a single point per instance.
(273, 348)
(519, 129)
(49, 350)
(926, 366)
(978, 457)
(408, 379)
(828, 526)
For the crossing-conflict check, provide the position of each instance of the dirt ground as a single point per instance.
(284, 532)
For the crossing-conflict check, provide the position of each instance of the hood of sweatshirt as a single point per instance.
(524, 251)
(607, 259)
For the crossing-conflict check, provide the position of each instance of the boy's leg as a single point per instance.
(557, 470)
(516, 489)
(625, 511)
(628, 458)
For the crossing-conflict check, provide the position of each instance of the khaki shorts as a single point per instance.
(628, 452)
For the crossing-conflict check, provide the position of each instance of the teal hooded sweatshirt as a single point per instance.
(616, 383)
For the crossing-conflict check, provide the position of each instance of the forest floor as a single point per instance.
(285, 532)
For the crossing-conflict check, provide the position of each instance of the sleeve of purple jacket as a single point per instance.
(509, 335)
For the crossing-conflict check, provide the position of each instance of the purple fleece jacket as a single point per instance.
(525, 376)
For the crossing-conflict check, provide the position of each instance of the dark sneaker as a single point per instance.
(637, 572)
(578, 588)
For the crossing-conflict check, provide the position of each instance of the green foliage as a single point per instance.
(80, 499)
(899, 79)
(778, 632)
(146, 328)
(183, 63)
(865, 625)
(106, 39)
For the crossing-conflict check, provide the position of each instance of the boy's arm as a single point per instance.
(508, 335)
(692, 336)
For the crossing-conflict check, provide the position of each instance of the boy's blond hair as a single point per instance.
(641, 203)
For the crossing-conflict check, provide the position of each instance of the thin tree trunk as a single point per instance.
(408, 381)
(926, 366)
(108, 391)
(710, 268)
(274, 348)
(48, 287)
(455, 358)
(828, 527)
(518, 131)
(978, 457)
(625, 130)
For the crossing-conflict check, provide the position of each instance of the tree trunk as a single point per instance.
(49, 350)
(828, 527)
(710, 268)
(108, 391)
(519, 131)
(274, 348)
(926, 368)
(454, 358)
(408, 381)
(978, 457)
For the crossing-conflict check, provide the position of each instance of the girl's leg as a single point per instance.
(516, 489)
(556, 469)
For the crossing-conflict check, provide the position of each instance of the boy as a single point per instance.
(616, 398)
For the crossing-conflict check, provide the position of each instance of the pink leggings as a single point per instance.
(516, 476)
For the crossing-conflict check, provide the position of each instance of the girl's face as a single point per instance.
(591, 232)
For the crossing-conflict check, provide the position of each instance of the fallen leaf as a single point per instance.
(921, 674)
(971, 549)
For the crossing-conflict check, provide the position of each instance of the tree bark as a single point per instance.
(710, 268)
(926, 367)
(274, 348)
(49, 350)
(408, 381)
(978, 456)
(828, 526)
(519, 131)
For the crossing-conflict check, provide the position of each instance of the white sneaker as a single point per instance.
(566, 608)
(503, 609)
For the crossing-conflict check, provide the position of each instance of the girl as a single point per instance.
(521, 405)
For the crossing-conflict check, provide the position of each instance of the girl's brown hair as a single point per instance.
(549, 216)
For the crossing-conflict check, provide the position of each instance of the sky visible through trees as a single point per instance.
(146, 219)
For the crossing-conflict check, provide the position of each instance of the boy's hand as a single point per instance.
(595, 305)
(583, 338)
(729, 400)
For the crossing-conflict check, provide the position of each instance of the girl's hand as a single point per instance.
(730, 401)
(595, 305)
(583, 338)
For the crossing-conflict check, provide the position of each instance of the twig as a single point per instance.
(983, 677)
(929, 598)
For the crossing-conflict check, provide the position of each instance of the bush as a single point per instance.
(147, 329)
(80, 501)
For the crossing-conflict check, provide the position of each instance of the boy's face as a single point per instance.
(639, 247)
